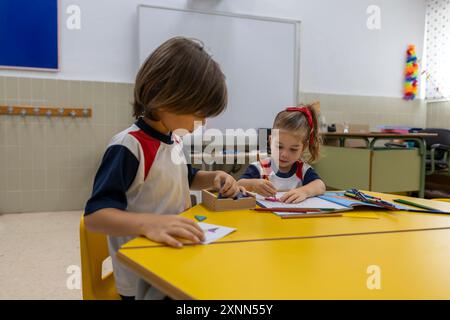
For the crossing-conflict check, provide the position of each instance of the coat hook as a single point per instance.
(23, 112)
(61, 111)
(36, 110)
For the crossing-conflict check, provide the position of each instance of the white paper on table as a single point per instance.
(214, 232)
(314, 202)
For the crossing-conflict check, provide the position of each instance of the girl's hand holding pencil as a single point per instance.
(264, 187)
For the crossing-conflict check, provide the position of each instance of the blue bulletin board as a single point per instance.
(29, 34)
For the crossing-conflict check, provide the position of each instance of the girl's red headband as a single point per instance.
(308, 115)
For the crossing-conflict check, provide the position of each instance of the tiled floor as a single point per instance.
(37, 250)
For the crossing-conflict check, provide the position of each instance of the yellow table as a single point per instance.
(412, 265)
(253, 225)
(316, 258)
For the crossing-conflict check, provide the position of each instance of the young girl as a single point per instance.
(143, 181)
(295, 130)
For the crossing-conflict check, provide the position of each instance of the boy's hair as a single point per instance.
(180, 77)
(296, 122)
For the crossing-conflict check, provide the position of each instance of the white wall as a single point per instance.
(339, 54)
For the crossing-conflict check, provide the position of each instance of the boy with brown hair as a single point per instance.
(143, 181)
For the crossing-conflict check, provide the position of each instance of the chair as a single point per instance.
(438, 157)
(94, 250)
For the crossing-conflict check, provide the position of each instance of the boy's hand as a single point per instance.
(294, 196)
(166, 228)
(264, 187)
(227, 185)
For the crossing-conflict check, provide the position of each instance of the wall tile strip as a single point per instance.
(49, 164)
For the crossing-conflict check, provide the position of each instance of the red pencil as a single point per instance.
(287, 210)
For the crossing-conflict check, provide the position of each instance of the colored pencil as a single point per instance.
(413, 204)
(303, 210)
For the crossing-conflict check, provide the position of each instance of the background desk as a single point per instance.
(373, 168)
(324, 262)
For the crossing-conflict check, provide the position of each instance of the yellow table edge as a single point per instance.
(177, 293)
(297, 237)
(153, 279)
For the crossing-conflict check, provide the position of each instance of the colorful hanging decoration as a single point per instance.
(411, 74)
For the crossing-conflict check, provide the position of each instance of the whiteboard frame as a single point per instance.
(296, 23)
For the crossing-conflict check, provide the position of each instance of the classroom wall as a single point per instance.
(340, 57)
(438, 115)
(370, 110)
(49, 164)
(99, 62)
(339, 54)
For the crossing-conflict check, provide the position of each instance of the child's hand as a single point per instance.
(264, 187)
(294, 196)
(227, 185)
(166, 228)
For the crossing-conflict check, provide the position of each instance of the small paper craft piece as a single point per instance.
(240, 195)
(272, 199)
(314, 202)
(214, 232)
(200, 218)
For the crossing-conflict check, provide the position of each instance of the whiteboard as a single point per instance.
(259, 56)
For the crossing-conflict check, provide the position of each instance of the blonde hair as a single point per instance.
(296, 122)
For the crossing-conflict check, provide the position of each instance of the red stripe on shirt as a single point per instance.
(149, 146)
(299, 171)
